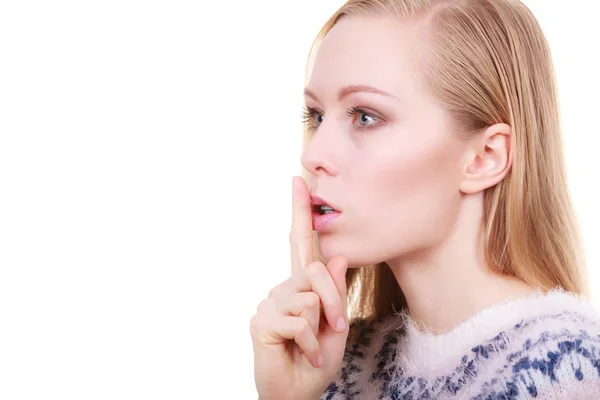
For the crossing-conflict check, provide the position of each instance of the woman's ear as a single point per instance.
(488, 159)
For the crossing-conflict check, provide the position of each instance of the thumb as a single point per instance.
(337, 267)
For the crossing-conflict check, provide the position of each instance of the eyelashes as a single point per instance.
(308, 118)
(357, 113)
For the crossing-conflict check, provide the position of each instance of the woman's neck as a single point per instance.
(450, 282)
(440, 302)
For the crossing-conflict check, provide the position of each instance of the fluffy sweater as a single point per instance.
(543, 346)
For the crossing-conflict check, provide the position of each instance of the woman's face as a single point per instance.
(387, 162)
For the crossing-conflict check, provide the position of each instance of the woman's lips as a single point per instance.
(323, 221)
(318, 201)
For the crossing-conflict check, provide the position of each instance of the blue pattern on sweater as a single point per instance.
(583, 345)
(520, 364)
(349, 366)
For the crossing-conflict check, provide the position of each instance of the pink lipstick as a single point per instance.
(323, 213)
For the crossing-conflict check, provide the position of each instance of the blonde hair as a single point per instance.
(489, 62)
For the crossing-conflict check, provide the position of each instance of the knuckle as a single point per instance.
(314, 269)
(262, 306)
(305, 328)
(274, 292)
(255, 323)
(311, 300)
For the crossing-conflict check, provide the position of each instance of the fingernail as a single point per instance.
(319, 361)
(341, 324)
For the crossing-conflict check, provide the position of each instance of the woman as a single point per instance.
(439, 201)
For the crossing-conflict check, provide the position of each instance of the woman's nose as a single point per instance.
(320, 154)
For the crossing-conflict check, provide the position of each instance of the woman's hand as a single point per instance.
(299, 332)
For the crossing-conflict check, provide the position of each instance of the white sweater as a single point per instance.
(545, 346)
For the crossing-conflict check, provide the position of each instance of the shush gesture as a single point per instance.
(299, 331)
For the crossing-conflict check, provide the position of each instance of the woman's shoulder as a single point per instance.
(553, 351)
(558, 314)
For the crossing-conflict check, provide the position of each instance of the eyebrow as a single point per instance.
(347, 90)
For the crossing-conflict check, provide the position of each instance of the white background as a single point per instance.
(146, 156)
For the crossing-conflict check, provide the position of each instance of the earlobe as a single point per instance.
(489, 159)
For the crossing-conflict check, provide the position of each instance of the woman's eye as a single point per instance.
(311, 118)
(365, 119)
(317, 118)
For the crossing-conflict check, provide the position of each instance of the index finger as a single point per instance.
(301, 236)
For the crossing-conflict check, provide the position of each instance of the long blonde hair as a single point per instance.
(489, 62)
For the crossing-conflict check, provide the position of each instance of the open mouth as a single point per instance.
(323, 209)
(323, 215)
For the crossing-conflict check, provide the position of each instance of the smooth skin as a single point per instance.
(299, 332)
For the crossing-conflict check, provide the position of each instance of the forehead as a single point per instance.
(377, 51)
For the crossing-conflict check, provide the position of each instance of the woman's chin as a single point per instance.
(359, 250)
(354, 260)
